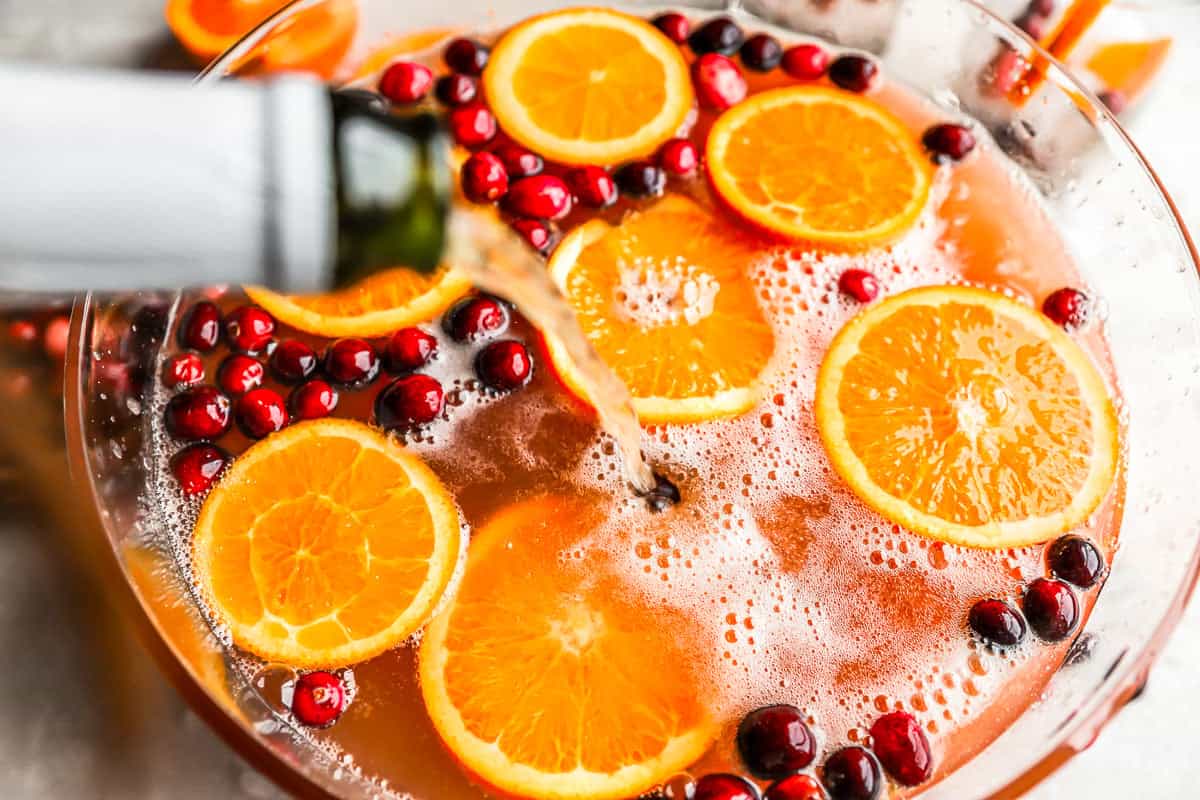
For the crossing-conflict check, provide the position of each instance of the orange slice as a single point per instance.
(325, 544)
(588, 86)
(967, 417)
(819, 165)
(667, 301)
(548, 679)
(375, 306)
(1128, 67)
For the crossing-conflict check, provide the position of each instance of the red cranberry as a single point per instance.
(718, 35)
(1043, 7)
(184, 370)
(455, 89)
(795, 787)
(261, 412)
(240, 374)
(719, 786)
(1034, 24)
(997, 623)
(592, 186)
(484, 179)
(200, 413)
(902, 748)
(853, 773)
(1051, 608)
(949, 142)
(472, 125)
(718, 81)
(504, 366)
(351, 362)
(55, 337)
(293, 360)
(466, 56)
(807, 62)
(519, 162)
(1076, 560)
(406, 82)
(1069, 308)
(762, 52)
(197, 466)
(409, 401)
(201, 329)
(318, 699)
(679, 157)
(249, 329)
(641, 179)
(476, 318)
(313, 400)
(535, 232)
(674, 26)
(859, 284)
(540, 196)
(774, 741)
(854, 73)
(664, 495)
(22, 332)
(410, 349)
(1007, 70)
(1115, 100)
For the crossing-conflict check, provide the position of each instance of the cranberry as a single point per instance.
(674, 26)
(719, 786)
(1069, 308)
(854, 73)
(762, 53)
(406, 82)
(476, 318)
(197, 466)
(1043, 7)
(200, 413)
(1034, 24)
(949, 142)
(318, 699)
(1115, 100)
(853, 773)
(519, 162)
(718, 35)
(472, 125)
(240, 374)
(351, 362)
(184, 370)
(1076, 560)
(679, 157)
(22, 332)
(484, 179)
(504, 366)
(535, 233)
(1051, 608)
(455, 89)
(261, 412)
(592, 186)
(795, 787)
(55, 337)
(902, 748)
(409, 401)
(293, 360)
(249, 329)
(774, 741)
(719, 83)
(201, 329)
(466, 56)
(1007, 71)
(859, 284)
(411, 349)
(997, 623)
(540, 196)
(313, 400)
(664, 495)
(807, 62)
(641, 179)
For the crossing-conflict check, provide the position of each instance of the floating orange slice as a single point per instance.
(548, 678)
(1128, 67)
(667, 301)
(588, 86)
(376, 306)
(967, 417)
(820, 165)
(325, 544)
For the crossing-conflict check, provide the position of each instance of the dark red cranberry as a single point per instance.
(718, 35)
(55, 337)
(1051, 608)
(721, 786)
(592, 186)
(949, 142)
(1069, 308)
(466, 56)
(484, 179)
(1076, 560)
(22, 332)
(1115, 100)
(472, 124)
(1035, 25)
(249, 329)
(859, 284)
(409, 401)
(795, 787)
(201, 329)
(807, 62)
(997, 623)
(519, 162)
(853, 773)
(854, 73)
(504, 366)
(261, 412)
(774, 741)
(455, 89)
(718, 81)
(351, 362)
(313, 400)
(535, 233)
(674, 26)
(240, 374)
(184, 370)
(641, 179)
(679, 157)
(293, 360)
(901, 746)
(540, 196)
(318, 699)
(197, 466)
(200, 413)
(476, 318)
(411, 349)
(406, 82)
(664, 495)
(762, 52)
